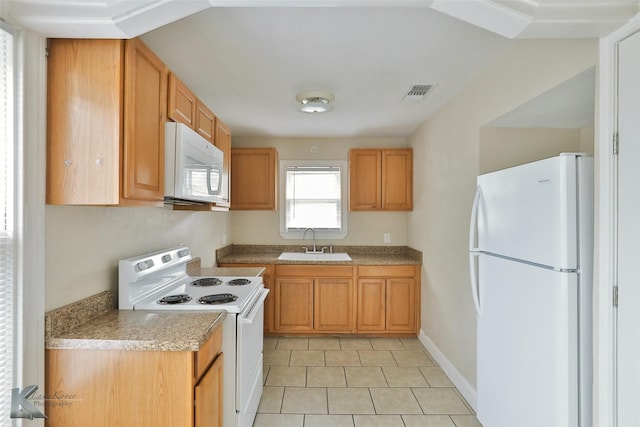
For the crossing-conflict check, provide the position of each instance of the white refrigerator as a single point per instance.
(531, 259)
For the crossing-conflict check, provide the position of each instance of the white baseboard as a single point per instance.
(463, 386)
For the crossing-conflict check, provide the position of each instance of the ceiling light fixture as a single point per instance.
(315, 101)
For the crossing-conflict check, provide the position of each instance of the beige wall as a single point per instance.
(506, 147)
(587, 140)
(364, 228)
(446, 163)
(100, 236)
(97, 237)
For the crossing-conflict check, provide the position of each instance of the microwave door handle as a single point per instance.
(211, 191)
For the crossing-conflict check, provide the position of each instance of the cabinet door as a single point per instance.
(208, 395)
(85, 80)
(253, 181)
(145, 111)
(182, 102)
(397, 179)
(223, 142)
(205, 122)
(333, 305)
(294, 305)
(401, 302)
(365, 180)
(371, 305)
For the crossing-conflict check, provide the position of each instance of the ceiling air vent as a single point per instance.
(417, 93)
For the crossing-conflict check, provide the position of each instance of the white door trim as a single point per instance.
(605, 413)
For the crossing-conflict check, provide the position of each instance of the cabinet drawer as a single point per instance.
(208, 352)
(386, 271)
(313, 271)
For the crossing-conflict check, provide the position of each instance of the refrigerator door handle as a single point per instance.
(474, 252)
(473, 256)
(473, 222)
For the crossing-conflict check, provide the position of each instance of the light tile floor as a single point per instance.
(357, 382)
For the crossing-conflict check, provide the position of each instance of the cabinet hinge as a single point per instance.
(615, 296)
(616, 143)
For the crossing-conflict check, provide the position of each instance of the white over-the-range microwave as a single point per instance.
(193, 167)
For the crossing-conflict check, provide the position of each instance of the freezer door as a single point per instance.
(529, 212)
(527, 346)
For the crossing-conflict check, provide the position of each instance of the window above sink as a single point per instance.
(313, 194)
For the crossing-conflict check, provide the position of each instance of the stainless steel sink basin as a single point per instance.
(301, 256)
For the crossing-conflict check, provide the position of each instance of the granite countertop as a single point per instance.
(360, 255)
(93, 324)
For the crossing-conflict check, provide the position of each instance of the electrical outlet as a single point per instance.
(387, 237)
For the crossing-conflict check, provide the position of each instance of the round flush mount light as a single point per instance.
(315, 101)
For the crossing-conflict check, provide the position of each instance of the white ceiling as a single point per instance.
(248, 64)
(247, 59)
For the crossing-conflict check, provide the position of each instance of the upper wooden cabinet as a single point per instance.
(253, 181)
(182, 102)
(185, 107)
(223, 142)
(205, 122)
(381, 179)
(365, 182)
(106, 108)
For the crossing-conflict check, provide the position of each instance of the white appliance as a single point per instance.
(158, 281)
(531, 276)
(192, 167)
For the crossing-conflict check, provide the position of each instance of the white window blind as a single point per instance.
(313, 194)
(7, 241)
(313, 197)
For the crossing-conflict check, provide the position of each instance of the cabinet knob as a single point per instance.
(67, 162)
(99, 162)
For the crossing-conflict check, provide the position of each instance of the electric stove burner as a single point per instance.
(217, 299)
(207, 281)
(239, 282)
(175, 299)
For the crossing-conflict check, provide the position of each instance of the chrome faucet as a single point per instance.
(304, 236)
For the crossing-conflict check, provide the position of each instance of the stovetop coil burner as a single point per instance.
(207, 281)
(175, 299)
(217, 299)
(239, 282)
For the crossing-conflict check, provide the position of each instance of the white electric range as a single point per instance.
(159, 281)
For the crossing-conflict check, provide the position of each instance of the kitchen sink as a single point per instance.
(301, 256)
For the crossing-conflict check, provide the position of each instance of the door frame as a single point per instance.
(606, 196)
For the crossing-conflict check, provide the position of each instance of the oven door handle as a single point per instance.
(255, 307)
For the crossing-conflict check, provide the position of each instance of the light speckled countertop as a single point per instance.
(360, 255)
(93, 324)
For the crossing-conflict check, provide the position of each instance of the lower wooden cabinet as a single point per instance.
(294, 304)
(372, 305)
(133, 388)
(365, 299)
(387, 303)
(208, 397)
(311, 298)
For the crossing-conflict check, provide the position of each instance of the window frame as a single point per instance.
(320, 233)
(9, 237)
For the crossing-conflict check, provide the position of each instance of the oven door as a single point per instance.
(249, 360)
